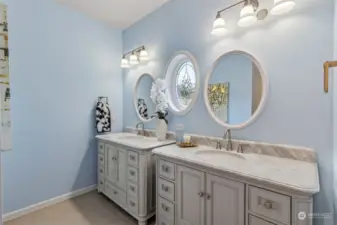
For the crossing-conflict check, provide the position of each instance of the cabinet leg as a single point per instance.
(142, 222)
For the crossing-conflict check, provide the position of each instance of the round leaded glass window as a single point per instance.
(185, 83)
(182, 77)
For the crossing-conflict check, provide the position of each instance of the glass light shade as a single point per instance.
(282, 6)
(219, 26)
(143, 56)
(125, 63)
(247, 16)
(134, 60)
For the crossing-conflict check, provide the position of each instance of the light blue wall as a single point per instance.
(237, 70)
(60, 62)
(291, 49)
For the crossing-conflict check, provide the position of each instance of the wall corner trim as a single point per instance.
(47, 203)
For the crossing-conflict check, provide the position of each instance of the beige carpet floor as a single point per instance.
(88, 209)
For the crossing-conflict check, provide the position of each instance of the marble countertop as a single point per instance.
(296, 175)
(133, 141)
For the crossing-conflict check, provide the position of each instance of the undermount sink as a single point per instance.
(137, 138)
(218, 155)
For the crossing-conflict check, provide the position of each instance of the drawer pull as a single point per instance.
(132, 204)
(133, 189)
(201, 194)
(165, 208)
(208, 197)
(132, 173)
(166, 189)
(115, 192)
(101, 147)
(102, 183)
(268, 205)
(165, 168)
(132, 157)
(101, 159)
(101, 170)
(114, 158)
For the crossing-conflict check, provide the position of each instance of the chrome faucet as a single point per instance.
(228, 137)
(143, 131)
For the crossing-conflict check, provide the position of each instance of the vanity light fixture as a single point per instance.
(135, 57)
(282, 6)
(250, 13)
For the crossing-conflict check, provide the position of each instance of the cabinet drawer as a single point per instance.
(101, 160)
(101, 148)
(132, 189)
(269, 204)
(133, 205)
(163, 221)
(166, 169)
(133, 174)
(100, 171)
(133, 158)
(101, 185)
(115, 194)
(166, 189)
(252, 220)
(166, 209)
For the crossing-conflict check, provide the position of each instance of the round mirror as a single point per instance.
(143, 103)
(235, 90)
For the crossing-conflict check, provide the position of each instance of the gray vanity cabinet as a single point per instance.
(126, 177)
(190, 196)
(225, 201)
(201, 198)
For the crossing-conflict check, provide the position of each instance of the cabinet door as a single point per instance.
(224, 201)
(112, 163)
(121, 169)
(190, 196)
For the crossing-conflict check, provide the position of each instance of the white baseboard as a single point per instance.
(44, 204)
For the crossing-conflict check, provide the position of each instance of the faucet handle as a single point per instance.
(239, 148)
(218, 145)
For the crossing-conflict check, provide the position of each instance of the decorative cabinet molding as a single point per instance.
(126, 177)
(202, 197)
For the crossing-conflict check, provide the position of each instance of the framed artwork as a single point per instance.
(218, 97)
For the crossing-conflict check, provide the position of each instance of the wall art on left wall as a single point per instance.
(5, 91)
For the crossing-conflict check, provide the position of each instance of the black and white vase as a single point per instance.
(161, 129)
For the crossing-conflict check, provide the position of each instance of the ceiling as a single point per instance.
(117, 13)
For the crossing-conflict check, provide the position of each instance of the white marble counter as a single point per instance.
(133, 141)
(300, 176)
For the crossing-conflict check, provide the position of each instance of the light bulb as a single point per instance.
(143, 56)
(219, 26)
(282, 6)
(134, 59)
(125, 63)
(247, 16)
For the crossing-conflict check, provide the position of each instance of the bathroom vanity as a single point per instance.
(217, 187)
(126, 172)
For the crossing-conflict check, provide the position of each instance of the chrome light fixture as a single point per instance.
(282, 6)
(247, 16)
(219, 25)
(251, 13)
(135, 56)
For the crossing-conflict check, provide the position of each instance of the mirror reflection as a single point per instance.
(234, 88)
(143, 103)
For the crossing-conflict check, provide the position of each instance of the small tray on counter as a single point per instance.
(187, 145)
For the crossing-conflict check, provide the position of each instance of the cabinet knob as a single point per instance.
(101, 171)
(165, 168)
(115, 192)
(132, 189)
(201, 194)
(165, 208)
(132, 204)
(268, 204)
(132, 157)
(208, 197)
(132, 173)
(164, 188)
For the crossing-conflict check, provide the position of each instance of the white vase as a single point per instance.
(161, 130)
